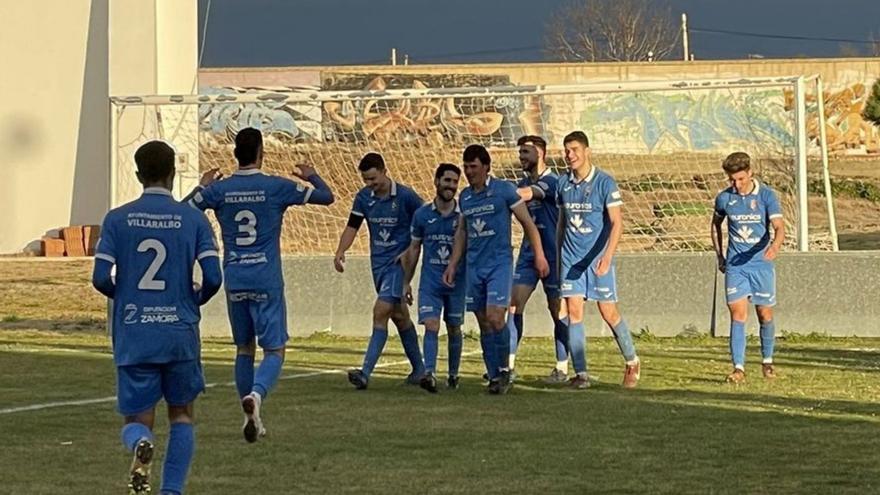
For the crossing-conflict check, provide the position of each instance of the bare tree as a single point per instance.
(616, 30)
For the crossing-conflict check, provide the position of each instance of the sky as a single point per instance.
(253, 33)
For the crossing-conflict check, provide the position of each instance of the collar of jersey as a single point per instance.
(393, 190)
(454, 210)
(248, 171)
(157, 190)
(486, 187)
(754, 190)
(542, 174)
(588, 178)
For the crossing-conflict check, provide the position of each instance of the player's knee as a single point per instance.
(181, 414)
(280, 352)
(453, 330)
(248, 349)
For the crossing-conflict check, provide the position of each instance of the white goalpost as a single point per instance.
(662, 140)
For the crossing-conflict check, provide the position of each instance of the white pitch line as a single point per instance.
(101, 400)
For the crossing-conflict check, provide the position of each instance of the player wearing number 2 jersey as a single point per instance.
(250, 207)
(153, 242)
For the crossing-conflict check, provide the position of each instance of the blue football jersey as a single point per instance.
(389, 220)
(250, 207)
(154, 242)
(748, 222)
(583, 207)
(437, 233)
(487, 218)
(545, 214)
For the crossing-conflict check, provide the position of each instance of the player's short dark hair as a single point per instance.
(477, 152)
(737, 162)
(248, 143)
(371, 160)
(446, 167)
(536, 141)
(155, 161)
(578, 136)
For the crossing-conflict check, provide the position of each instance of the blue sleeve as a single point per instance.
(293, 193)
(321, 194)
(719, 206)
(612, 193)
(508, 192)
(206, 198)
(358, 208)
(548, 186)
(209, 261)
(417, 229)
(773, 208)
(105, 258)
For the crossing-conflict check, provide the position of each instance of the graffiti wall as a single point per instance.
(660, 121)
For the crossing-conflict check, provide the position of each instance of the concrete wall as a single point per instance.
(668, 294)
(53, 121)
(62, 60)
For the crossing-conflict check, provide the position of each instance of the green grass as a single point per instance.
(814, 430)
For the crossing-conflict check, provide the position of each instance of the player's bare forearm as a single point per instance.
(459, 244)
(346, 240)
(778, 232)
(410, 259)
(615, 217)
(715, 233)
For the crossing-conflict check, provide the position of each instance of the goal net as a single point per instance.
(663, 141)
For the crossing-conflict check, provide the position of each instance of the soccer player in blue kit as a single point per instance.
(751, 209)
(250, 208)
(538, 189)
(483, 235)
(589, 229)
(154, 243)
(433, 227)
(388, 208)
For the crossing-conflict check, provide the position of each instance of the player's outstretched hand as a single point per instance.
(210, 177)
(339, 262)
(407, 294)
(722, 264)
(449, 276)
(542, 267)
(303, 171)
(771, 252)
(603, 266)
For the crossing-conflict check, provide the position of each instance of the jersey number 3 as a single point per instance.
(247, 226)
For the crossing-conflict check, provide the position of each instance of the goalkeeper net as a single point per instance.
(663, 141)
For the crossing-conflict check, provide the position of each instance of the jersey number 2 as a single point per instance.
(148, 281)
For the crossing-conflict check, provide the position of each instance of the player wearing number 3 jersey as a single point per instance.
(154, 242)
(250, 207)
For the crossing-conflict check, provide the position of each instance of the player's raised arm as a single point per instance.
(521, 212)
(459, 244)
(530, 193)
(321, 194)
(208, 178)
